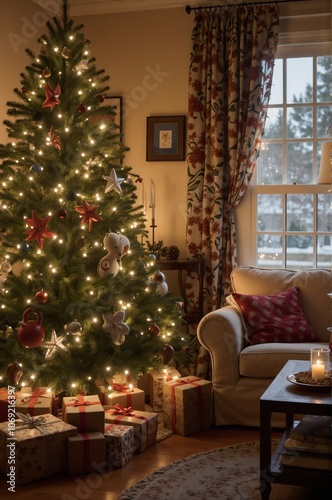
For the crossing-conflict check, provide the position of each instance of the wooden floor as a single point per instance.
(97, 487)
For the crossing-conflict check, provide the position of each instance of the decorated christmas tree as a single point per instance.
(81, 299)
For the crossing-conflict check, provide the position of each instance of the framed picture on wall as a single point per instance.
(165, 138)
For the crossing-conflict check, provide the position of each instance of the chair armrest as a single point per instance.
(221, 333)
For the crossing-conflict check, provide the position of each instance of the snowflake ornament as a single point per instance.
(113, 324)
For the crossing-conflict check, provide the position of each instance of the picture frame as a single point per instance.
(165, 138)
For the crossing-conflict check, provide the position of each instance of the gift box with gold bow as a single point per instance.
(187, 405)
(84, 412)
(33, 448)
(145, 424)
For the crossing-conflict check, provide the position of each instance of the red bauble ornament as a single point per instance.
(41, 297)
(154, 330)
(166, 354)
(81, 108)
(101, 98)
(46, 73)
(14, 373)
(31, 333)
(61, 213)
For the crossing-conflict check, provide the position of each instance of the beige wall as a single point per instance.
(147, 57)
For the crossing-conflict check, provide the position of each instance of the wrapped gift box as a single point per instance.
(145, 424)
(143, 383)
(119, 444)
(86, 451)
(36, 446)
(156, 382)
(34, 401)
(187, 405)
(5, 397)
(125, 396)
(84, 412)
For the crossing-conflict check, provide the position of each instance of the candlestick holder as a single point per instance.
(153, 226)
(319, 362)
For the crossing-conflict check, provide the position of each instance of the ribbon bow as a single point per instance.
(120, 387)
(119, 410)
(27, 420)
(81, 402)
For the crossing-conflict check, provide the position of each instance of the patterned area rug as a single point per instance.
(230, 473)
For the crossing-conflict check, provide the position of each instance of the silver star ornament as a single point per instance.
(113, 182)
(53, 344)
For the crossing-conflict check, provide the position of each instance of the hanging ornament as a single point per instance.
(71, 196)
(113, 182)
(113, 324)
(89, 213)
(41, 297)
(166, 354)
(53, 344)
(74, 328)
(82, 66)
(159, 278)
(154, 330)
(101, 98)
(81, 108)
(37, 117)
(25, 247)
(117, 245)
(81, 242)
(66, 53)
(54, 138)
(52, 96)
(5, 267)
(38, 229)
(14, 373)
(46, 73)
(24, 90)
(37, 168)
(31, 333)
(61, 213)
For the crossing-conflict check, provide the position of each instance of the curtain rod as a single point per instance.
(202, 7)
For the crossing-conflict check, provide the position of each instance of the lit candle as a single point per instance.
(318, 371)
(152, 198)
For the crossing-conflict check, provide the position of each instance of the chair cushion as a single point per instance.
(275, 318)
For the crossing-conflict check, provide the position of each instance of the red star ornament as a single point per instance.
(89, 213)
(52, 96)
(38, 229)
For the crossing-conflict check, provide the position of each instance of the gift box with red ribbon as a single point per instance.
(187, 405)
(124, 395)
(34, 448)
(86, 453)
(36, 401)
(4, 402)
(156, 382)
(85, 412)
(119, 444)
(145, 424)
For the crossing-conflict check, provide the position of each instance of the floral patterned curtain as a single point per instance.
(231, 68)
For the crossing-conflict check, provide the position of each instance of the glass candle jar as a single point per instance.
(319, 362)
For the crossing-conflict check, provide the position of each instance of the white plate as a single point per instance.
(291, 378)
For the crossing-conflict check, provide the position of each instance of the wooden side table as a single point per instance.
(182, 266)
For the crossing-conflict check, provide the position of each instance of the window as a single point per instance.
(293, 214)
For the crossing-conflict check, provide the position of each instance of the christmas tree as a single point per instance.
(81, 299)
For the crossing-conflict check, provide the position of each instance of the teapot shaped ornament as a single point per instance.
(31, 333)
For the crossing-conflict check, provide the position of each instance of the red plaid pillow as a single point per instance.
(275, 318)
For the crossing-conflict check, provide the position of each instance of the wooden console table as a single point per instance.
(182, 266)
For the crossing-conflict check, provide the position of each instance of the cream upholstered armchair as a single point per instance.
(241, 371)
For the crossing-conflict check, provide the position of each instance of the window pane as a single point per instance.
(299, 252)
(269, 250)
(299, 79)
(276, 91)
(324, 251)
(299, 210)
(299, 163)
(269, 212)
(324, 78)
(324, 212)
(324, 120)
(299, 122)
(270, 164)
(273, 125)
